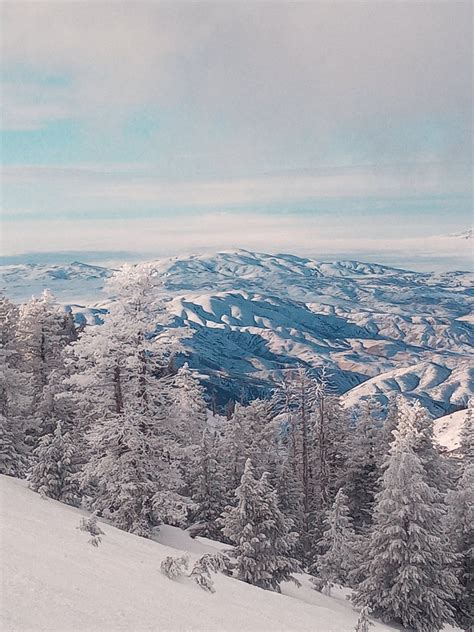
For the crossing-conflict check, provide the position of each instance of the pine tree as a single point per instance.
(363, 622)
(362, 471)
(262, 536)
(189, 406)
(340, 545)
(408, 571)
(435, 464)
(40, 340)
(54, 474)
(208, 489)
(460, 525)
(248, 434)
(14, 402)
(133, 472)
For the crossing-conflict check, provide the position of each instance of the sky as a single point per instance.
(155, 128)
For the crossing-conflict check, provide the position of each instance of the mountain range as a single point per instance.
(250, 316)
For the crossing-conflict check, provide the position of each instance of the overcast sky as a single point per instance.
(154, 126)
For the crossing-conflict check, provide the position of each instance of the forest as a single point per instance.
(105, 417)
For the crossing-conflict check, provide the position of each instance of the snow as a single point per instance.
(435, 386)
(252, 314)
(53, 580)
(447, 429)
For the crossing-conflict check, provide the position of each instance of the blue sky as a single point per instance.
(161, 127)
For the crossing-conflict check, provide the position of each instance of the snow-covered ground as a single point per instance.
(53, 580)
(447, 429)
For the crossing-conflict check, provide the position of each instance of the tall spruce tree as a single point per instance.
(208, 488)
(362, 472)
(340, 545)
(408, 570)
(14, 400)
(261, 533)
(460, 525)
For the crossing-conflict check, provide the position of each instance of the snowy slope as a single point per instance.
(436, 386)
(53, 580)
(253, 315)
(447, 429)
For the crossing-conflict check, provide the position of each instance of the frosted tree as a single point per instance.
(54, 474)
(40, 340)
(13, 460)
(91, 526)
(209, 494)
(460, 525)
(363, 622)
(14, 400)
(340, 545)
(295, 402)
(189, 406)
(250, 433)
(467, 436)
(262, 534)
(435, 464)
(188, 420)
(362, 472)
(408, 569)
(174, 567)
(132, 476)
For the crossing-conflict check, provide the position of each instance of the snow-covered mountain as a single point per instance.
(54, 580)
(381, 330)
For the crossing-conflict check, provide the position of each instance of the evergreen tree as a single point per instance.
(460, 525)
(40, 340)
(340, 545)
(208, 488)
(14, 402)
(435, 464)
(248, 434)
(189, 406)
(363, 622)
(13, 460)
(408, 571)
(133, 472)
(262, 536)
(362, 471)
(54, 474)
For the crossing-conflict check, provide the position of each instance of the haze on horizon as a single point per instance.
(149, 127)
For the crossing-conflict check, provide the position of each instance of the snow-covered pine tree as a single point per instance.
(466, 438)
(331, 427)
(132, 476)
(361, 473)
(363, 621)
(295, 402)
(40, 341)
(460, 525)
(436, 465)
(189, 406)
(188, 421)
(340, 545)
(209, 494)
(54, 474)
(13, 399)
(12, 449)
(262, 535)
(408, 569)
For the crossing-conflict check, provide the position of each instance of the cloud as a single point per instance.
(281, 74)
(122, 189)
